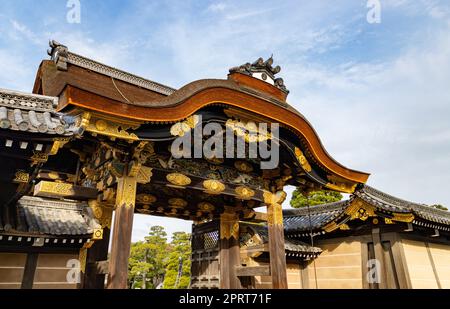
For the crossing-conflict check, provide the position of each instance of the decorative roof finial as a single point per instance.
(59, 54)
(262, 70)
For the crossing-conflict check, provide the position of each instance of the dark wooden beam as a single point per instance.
(276, 246)
(29, 271)
(121, 238)
(250, 271)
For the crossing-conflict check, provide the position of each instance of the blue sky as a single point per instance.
(378, 94)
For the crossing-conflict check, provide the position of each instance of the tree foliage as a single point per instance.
(155, 261)
(180, 252)
(148, 259)
(299, 199)
(439, 206)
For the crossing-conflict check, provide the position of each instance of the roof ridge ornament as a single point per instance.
(263, 70)
(61, 55)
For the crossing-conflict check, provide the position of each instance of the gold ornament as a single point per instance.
(181, 128)
(341, 185)
(146, 199)
(244, 193)
(206, 207)
(22, 177)
(58, 143)
(243, 166)
(277, 198)
(229, 224)
(302, 160)
(111, 127)
(98, 234)
(178, 179)
(38, 157)
(177, 203)
(213, 186)
(101, 125)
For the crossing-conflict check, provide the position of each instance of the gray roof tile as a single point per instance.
(53, 217)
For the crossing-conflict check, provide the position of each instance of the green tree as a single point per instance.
(439, 206)
(148, 259)
(299, 199)
(180, 251)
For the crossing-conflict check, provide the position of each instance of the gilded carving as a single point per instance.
(302, 160)
(206, 207)
(344, 227)
(243, 166)
(56, 188)
(177, 203)
(101, 125)
(181, 128)
(58, 143)
(147, 199)
(82, 258)
(403, 217)
(98, 234)
(244, 193)
(178, 179)
(249, 131)
(102, 213)
(213, 186)
(274, 198)
(361, 210)
(330, 227)
(229, 224)
(275, 214)
(126, 192)
(22, 177)
(111, 128)
(38, 157)
(341, 185)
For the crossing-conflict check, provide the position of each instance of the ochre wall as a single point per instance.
(428, 264)
(441, 259)
(11, 270)
(52, 270)
(338, 267)
(293, 275)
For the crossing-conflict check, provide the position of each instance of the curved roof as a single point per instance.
(100, 89)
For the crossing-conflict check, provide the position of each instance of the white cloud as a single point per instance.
(217, 7)
(23, 31)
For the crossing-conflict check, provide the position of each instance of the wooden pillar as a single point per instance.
(229, 250)
(121, 237)
(379, 256)
(276, 239)
(98, 252)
